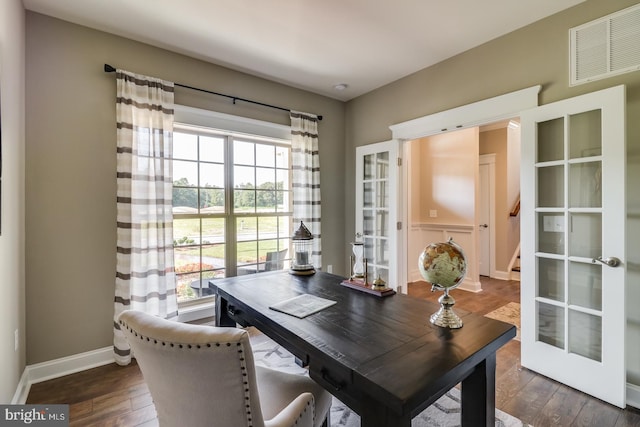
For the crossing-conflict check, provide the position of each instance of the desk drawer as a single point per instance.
(335, 378)
(237, 315)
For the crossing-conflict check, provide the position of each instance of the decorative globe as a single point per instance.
(443, 265)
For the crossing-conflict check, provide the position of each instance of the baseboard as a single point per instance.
(44, 371)
(501, 275)
(22, 391)
(633, 395)
(470, 286)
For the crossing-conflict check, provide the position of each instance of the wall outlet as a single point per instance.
(433, 213)
(329, 268)
(16, 339)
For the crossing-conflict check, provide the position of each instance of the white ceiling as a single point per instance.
(309, 44)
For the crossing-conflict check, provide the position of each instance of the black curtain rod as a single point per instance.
(109, 69)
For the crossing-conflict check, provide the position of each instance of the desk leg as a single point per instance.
(479, 395)
(222, 317)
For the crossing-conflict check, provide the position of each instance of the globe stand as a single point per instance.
(445, 317)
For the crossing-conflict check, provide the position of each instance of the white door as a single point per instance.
(377, 199)
(484, 220)
(573, 225)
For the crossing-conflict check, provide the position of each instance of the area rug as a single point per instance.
(509, 313)
(444, 413)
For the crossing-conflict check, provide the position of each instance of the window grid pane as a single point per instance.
(259, 208)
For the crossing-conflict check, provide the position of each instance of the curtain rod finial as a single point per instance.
(108, 68)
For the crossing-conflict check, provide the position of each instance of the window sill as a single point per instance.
(197, 311)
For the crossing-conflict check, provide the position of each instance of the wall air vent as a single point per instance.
(605, 47)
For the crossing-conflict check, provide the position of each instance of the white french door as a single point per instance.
(572, 235)
(377, 201)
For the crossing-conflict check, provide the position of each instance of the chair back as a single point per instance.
(197, 375)
(275, 260)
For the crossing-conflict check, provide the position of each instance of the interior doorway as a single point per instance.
(466, 190)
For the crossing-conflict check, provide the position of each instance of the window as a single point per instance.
(232, 208)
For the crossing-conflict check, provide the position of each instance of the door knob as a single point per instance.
(484, 225)
(611, 261)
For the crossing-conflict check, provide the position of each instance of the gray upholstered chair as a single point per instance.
(205, 376)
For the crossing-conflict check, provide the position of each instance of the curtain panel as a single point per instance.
(305, 162)
(145, 276)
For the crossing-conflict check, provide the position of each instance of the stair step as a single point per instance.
(516, 269)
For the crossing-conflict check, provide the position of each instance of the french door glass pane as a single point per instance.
(368, 170)
(382, 252)
(585, 336)
(382, 221)
(368, 193)
(368, 223)
(382, 193)
(551, 324)
(550, 140)
(585, 235)
(585, 285)
(585, 134)
(383, 165)
(551, 279)
(551, 187)
(551, 232)
(585, 185)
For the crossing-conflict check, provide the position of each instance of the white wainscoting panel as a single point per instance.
(423, 234)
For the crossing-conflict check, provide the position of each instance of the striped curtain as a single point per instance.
(306, 177)
(145, 277)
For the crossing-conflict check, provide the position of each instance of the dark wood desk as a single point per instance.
(380, 356)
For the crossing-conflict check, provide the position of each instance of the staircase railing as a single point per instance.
(516, 208)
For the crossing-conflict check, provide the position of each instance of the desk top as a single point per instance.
(385, 347)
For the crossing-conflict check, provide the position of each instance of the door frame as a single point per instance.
(479, 113)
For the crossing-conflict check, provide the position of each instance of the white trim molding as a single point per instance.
(633, 395)
(56, 368)
(490, 110)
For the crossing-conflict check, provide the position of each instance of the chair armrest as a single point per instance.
(298, 413)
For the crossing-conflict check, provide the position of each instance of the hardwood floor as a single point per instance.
(117, 396)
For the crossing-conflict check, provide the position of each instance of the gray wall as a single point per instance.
(536, 54)
(70, 157)
(12, 295)
(71, 170)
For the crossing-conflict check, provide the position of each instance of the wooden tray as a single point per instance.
(359, 285)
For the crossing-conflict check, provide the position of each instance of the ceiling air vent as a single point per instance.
(606, 47)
